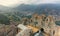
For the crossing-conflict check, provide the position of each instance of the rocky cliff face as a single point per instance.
(47, 25)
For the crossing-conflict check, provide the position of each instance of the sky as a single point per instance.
(18, 2)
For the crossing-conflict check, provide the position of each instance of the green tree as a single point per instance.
(4, 19)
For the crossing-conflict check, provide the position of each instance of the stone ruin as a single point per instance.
(46, 24)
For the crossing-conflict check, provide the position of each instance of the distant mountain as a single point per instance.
(42, 8)
(53, 9)
(25, 7)
(3, 8)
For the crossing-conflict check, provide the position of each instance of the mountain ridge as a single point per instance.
(53, 9)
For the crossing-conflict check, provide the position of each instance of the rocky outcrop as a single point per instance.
(47, 25)
(8, 30)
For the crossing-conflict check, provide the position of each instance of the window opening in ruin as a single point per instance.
(42, 30)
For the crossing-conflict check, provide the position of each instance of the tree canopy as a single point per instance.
(4, 19)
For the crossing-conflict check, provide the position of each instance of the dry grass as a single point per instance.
(34, 29)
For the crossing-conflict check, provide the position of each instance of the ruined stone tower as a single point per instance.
(48, 25)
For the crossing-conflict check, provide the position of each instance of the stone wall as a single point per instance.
(8, 30)
(47, 23)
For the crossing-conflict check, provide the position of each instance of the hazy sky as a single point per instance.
(17, 2)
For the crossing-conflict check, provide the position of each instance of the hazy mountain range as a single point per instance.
(53, 9)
